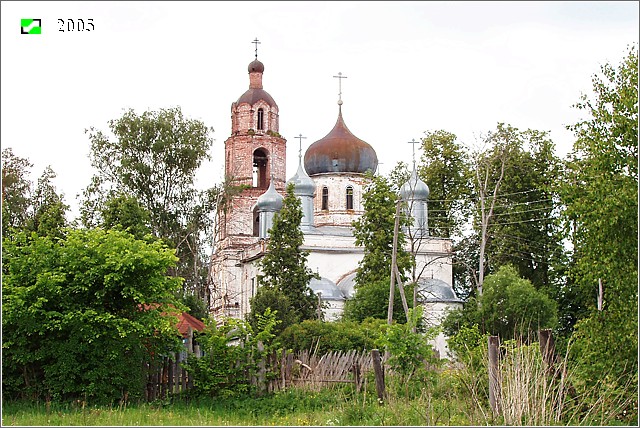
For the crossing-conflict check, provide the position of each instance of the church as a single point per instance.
(330, 182)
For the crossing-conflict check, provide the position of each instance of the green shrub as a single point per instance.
(332, 336)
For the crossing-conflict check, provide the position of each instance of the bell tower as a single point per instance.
(255, 159)
(254, 153)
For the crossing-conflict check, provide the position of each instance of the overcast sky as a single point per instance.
(411, 67)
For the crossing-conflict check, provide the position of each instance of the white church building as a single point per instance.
(330, 182)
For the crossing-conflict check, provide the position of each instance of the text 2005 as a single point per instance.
(67, 25)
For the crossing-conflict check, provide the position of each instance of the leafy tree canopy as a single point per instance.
(80, 314)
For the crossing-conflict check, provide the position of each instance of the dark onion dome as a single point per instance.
(256, 67)
(414, 189)
(340, 151)
(436, 291)
(269, 201)
(304, 185)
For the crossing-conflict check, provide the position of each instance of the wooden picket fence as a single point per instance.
(166, 376)
(311, 371)
(278, 372)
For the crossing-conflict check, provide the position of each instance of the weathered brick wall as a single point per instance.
(337, 184)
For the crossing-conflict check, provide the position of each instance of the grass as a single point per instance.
(455, 395)
(337, 406)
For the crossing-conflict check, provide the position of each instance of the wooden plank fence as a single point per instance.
(303, 370)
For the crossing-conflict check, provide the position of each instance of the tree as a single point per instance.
(82, 313)
(600, 194)
(125, 213)
(154, 158)
(284, 282)
(16, 191)
(48, 209)
(509, 307)
(374, 231)
(527, 231)
(41, 210)
(445, 168)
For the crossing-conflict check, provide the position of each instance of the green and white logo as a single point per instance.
(30, 26)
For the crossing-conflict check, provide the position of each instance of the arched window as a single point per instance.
(259, 169)
(325, 198)
(260, 126)
(349, 197)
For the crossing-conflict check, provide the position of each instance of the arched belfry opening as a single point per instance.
(260, 162)
(260, 125)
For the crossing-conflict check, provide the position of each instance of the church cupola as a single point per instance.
(415, 193)
(269, 203)
(340, 151)
(304, 188)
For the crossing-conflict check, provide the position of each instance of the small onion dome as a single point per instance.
(304, 185)
(326, 288)
(414, 189)
(436, 291)
(269, 201)
(340, 151)
(256, 67)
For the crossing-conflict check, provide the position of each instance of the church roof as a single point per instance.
(436, 291)
(340, 151)
(327, 289)
(252, 96)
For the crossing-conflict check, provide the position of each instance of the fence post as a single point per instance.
(261, 369)
(356, 375)
(170, 374)
(164, 380)
(377, 368)
(494, 381)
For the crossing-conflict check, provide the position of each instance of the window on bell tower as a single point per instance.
(349, 197)
(259, 169)
(260, 125)
(325, 198)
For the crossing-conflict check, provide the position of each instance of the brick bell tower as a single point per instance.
(255, 153)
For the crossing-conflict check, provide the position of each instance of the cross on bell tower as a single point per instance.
(256, 42)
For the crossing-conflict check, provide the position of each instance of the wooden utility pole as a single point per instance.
(393, 263)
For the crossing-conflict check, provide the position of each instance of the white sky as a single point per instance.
(410, 66)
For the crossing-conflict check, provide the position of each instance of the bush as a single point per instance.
(510, 306)
(332, 336)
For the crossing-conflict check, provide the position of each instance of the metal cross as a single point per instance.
(414, 142)
(300, 137)
(340, 77)
(256, 42)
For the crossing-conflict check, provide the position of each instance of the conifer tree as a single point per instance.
(284, 283)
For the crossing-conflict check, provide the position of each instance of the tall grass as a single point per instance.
(453, 394)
